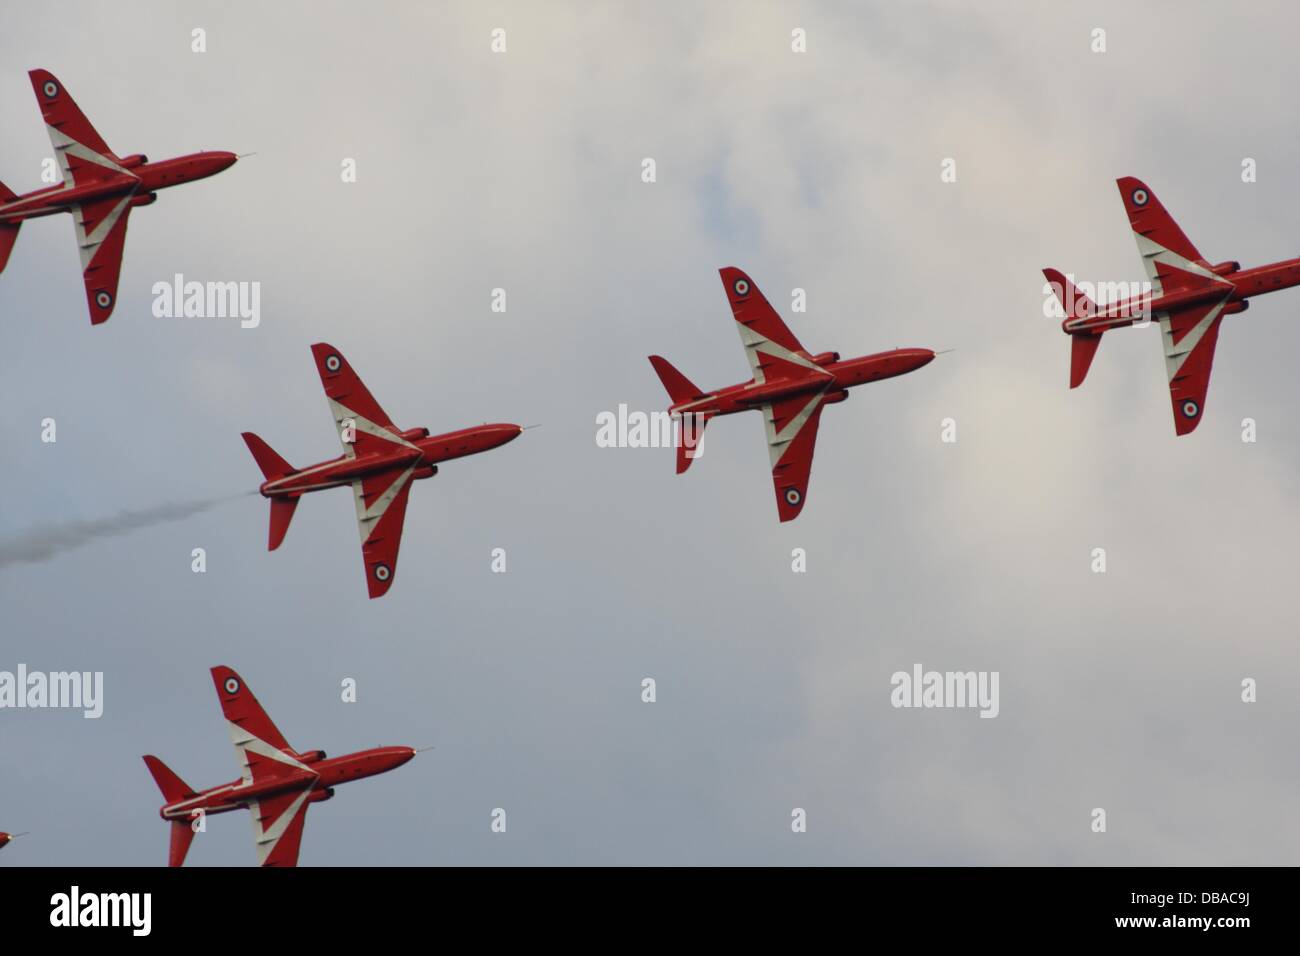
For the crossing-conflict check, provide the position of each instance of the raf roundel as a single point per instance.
(51, 88)
(1140, 197)
(232, 686)
(382, 573)
(1191, 409)
(103, 299)
(741, 287)
(792, 496)
(333, 363)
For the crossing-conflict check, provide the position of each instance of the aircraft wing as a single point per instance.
(1189, 337)
(101, 238)
(356, 413)
(771, 348)
(83, 154)
(791, 437)
(381, 512)
(260, 748)
(1167, 254)
(277, 826)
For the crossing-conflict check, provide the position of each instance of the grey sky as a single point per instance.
(818, 171)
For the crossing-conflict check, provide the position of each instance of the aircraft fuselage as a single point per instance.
(142, 177)
(317, 774)
(1245, 283)
(423, 451)
(844, 375)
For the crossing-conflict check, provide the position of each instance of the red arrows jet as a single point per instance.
(5, 838)
(379, 461)
(99, 188)
(1189, 298)
(790, 387)
(276, 785)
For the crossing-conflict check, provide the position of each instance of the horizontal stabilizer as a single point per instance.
(173, 787)
(272, 465)
(182, 837)
(1083, 346)
(1075, 303)
(8, 236)
(679, 387)
(282, 510)
(690, 432)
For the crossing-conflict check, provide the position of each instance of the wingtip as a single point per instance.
(1127, 185)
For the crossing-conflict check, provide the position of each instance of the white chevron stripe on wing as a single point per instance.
(777, 443)
(64, 146)
(1152, 253)
(246, 743)
(267, 838)
(367, 518)
(755, 343)
(88, 243)
(344, 415)
(1176, 353)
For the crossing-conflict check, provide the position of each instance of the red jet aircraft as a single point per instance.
(790, 387)
(99, 188)
(1189, 298)
(276, 785)
(379, 461)
(5, 838)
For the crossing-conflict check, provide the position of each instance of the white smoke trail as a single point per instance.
(49, 541)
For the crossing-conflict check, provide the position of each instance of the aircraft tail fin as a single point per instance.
(173, 787)
(690, 432)
(7, 194)
(8, 236)
(182, 837)
(690, 428)
(1075, 303)
(679, 387)
(1083, 345)
(282, 510)
(272, 465)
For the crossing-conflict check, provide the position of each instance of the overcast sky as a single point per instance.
(522, 170)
